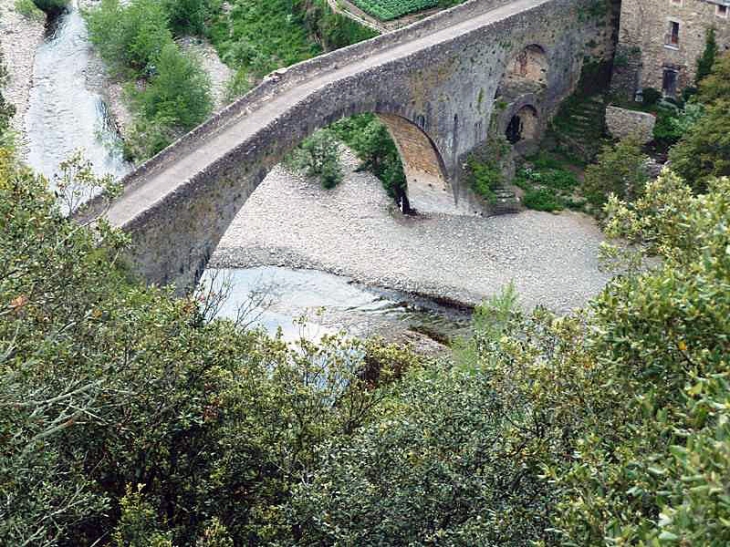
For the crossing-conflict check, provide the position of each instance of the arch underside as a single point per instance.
(428, 189)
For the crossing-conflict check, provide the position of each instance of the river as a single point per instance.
(63, 114)
(311, 303)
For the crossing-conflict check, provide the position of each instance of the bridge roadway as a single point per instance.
(145, 189)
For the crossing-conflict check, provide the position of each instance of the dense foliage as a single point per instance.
(319, 156)
(130, 417)
(167, 88)
(621, 170)
(547, 182)
(370, 140)
(704, 151)
(257, 37)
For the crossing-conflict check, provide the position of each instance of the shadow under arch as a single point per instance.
(427, 184)
(523, 125)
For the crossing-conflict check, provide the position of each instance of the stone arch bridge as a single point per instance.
(436, 85)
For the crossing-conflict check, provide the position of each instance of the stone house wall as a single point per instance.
(646, 50)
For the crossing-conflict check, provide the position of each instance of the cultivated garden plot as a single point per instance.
(385, 10)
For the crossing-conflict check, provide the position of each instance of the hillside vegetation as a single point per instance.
(132, 418)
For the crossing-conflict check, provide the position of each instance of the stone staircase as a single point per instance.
(579, 127)
(505, 202)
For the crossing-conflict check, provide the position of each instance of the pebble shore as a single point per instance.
(19, 39)
(354, 230)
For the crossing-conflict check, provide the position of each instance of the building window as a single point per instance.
(721, 11)
(669, 82)
(672, 38)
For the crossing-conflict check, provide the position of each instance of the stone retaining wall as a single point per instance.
(622, 122)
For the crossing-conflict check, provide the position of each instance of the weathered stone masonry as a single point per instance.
(434, 83)
(661, 40)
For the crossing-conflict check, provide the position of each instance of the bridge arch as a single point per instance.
(433, 83)
(427, 186)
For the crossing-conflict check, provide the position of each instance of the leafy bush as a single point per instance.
(486, 167)
(319, 156)
(371, 141)
(187, 16)
(620, 170)
(708, 57)
(28, 8)
(548, 184)
(542, 199)
(130, 36)
(178, 92)
(704, 150)
(650, 96)
(128, 414)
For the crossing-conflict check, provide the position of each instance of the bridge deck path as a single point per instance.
(152, 187)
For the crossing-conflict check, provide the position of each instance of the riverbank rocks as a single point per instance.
(21, 36)
(354, 230)
(622, 122)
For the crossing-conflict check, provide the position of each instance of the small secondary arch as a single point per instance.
(523, 125)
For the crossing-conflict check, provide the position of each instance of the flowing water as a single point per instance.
(278, 298)
(63, 114)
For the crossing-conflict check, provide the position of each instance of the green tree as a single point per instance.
(187, 16)
(319, 156)
(620, 170)
(131, 35)
(707, 59)
(704, 151)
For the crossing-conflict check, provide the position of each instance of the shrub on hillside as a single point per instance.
(620, 170)
(704, 151)
(187, 16)
(178, 92)
(319, 156)
(131, 35)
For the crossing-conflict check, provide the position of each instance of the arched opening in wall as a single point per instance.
(523, 126)
(527, 72)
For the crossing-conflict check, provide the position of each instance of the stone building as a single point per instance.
(661, 40)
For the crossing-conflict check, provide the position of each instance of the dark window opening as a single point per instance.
(673, 34)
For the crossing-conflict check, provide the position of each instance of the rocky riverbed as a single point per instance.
(20, 37)
(355, 230)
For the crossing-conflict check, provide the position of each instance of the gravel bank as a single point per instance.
(354, 230)
(20, 39)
